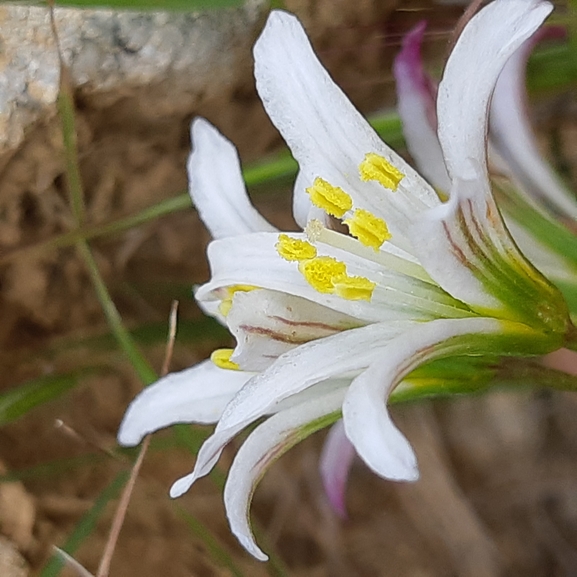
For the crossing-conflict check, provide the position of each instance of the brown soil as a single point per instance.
(499, 476)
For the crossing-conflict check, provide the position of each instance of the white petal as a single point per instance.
(198, 394)
(293, 372)
(253, 260)
(468, 230)
(326, 134)
(263, 446)
(335, 463)
(511, 134)
(268, 323)
(367, 422)
(485, 45)
(216, 185)
(416, 98)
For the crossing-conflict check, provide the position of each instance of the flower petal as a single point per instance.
(326, 134)
(292, 373)
(416, 96)
(198, 394)
(470, 77)
(335, 463)
(474, 257)
(265, 445)
(513, 137)
(268, 323)
(367, 422)
(254, 260)
(216, 185)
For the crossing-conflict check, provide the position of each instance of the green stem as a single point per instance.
(145, 372)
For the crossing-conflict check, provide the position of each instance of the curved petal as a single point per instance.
(335, 463)
(474, 257)
(262, 447)
(367, 422)
(292, 373)
(416, 97)
(216, 185)
(198, 394)
(268, 323)
(326, 134)
(511, 134)
(470, 77)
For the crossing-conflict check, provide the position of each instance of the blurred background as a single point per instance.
(498, 493)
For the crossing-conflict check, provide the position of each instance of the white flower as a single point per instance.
(329, 323)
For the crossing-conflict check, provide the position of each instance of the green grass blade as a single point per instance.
(18, 401)
(145, 372)
(86, 525)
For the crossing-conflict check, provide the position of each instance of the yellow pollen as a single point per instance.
(332, 199)
(221, 358)
(322, 272)
(368, 228)
(226, 303)
(375, 167)
(294, 248)
(355, 288)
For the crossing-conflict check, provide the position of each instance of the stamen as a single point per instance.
(375, 167)
(355, 288)
(221, 358)
(321, 272)
(368, 228)
(226, 303)
(294, 248)
(332, 199)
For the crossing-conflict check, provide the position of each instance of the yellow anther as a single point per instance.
(221, 358)
(368, 228)
(321, 272)
(226, 303)
(355, 288)
(332, 199)
(295, 248)
(375, 167)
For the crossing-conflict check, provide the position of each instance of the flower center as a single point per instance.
(221, 358)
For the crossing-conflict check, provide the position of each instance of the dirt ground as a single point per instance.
(498, 493)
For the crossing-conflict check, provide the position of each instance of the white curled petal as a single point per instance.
(198, 394)
(468, 230)
(470, 77)
(511, 134)
(335, 463)
(292, 373)
(368, 424)
(326, 134)
(416, 97)
(268, 323)
(264, 446)
(216, 185)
